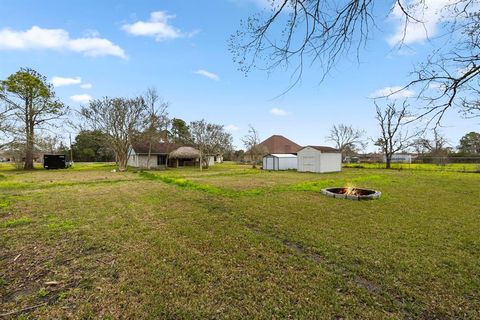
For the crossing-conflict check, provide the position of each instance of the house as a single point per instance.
(278, 144)
(159, 151)
(279, 162)
(319, 159)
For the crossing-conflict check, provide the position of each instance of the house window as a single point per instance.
(161, 160)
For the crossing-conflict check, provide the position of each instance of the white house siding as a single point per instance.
(313, 160)
(141, 161)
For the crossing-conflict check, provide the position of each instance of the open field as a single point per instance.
(233, 242)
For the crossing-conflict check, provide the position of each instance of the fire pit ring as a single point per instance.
(352, 193)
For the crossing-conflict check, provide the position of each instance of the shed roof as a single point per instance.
(157, 147)
(281, 155)
(323, 149)
(278, 144)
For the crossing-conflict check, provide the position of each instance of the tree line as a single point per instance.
(31, 112)
(109, 126)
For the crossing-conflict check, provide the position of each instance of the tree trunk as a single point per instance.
(122, 163)
(388, 160)
(122, 160)
(201, 161)
(29, 147)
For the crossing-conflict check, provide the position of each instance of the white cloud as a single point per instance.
(430, 15)
(57, 39)
(392, 93)
(61, 81)
(207, 74)
(81, 98)
(86, 86)
(94, 47)
(279, 112)
(232, 127)
(157, 26)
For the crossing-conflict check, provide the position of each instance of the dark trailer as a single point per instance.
(54, 161)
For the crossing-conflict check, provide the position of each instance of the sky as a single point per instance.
(91, 49)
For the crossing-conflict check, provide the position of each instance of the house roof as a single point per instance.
(278, 144)
(324, 149)
(157, 147)
(282, 155)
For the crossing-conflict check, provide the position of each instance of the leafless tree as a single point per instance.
(320, 32)
(394, 137)
(209, 139)
(120, 119)
(437, 146)
(156, 122)
(347, 139)
(252, 144)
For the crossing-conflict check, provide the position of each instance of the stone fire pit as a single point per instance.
(352, 193)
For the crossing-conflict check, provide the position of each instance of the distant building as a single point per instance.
(400, 158)
(165, 154)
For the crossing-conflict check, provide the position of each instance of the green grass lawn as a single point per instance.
(233, 242)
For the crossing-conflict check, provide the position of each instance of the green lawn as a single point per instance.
(233, 242)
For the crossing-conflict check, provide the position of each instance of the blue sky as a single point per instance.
(92, 49)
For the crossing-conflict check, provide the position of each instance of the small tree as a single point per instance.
(120, 119)
(209, 139)
(347, 139)
(252, 144)
(392, 139)
(32, 103)
(92, 146)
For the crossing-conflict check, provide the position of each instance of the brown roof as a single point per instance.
(324, 149)
(157, 147)
(279, 144)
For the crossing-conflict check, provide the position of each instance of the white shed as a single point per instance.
(279, 162)
(319, 159)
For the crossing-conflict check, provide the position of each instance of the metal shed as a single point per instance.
(319, 159)
(279, 162)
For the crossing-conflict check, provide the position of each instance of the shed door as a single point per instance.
(270, 163)
(309, 163)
